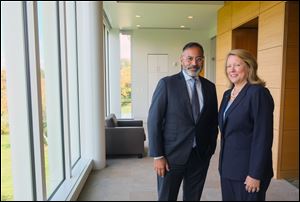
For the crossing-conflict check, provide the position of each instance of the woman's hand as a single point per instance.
(252, 185)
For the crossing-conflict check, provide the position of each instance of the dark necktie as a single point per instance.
(195, 101)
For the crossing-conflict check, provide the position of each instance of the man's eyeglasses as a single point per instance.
(197, 59)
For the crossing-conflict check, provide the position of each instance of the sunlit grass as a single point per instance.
(6, 172)
(126, 110)
(6, 169)
(47, 173)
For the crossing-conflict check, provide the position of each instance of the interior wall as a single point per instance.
(114, 72)
(289, 164)
(169, 42)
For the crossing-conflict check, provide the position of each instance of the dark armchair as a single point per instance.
(124, 136)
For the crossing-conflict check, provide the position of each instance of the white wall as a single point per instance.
(114, 72)
(91, 77)
(168, 42)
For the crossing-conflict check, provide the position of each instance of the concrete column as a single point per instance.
(91, 80)
(114, 72)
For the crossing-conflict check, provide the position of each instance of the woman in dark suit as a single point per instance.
(246, 125)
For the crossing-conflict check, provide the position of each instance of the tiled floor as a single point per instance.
(294, 181)
(133, 179)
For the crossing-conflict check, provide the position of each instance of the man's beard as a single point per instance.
(192, 73)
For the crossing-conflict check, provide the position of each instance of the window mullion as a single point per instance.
(13, 22)
(64, 85)
(37, 119)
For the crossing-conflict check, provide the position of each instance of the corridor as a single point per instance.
(133, 179)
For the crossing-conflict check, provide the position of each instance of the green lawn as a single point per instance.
(126, 110)
(6, 175)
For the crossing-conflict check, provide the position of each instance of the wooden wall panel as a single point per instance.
(223, 45)
(276, 94)
(291, 110)
(290, 142)
(243, 11)
(245, 38)
(293, 29)
(220, 91)
(224, 19)
(271, 27)
(289, 165)
(288, 174)
(276, 116)
(275, 151)
(221, 78)
(292, 66)
(264, 5)
(270, 66)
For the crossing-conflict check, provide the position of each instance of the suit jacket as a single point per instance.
(171, 127)
(247, 134)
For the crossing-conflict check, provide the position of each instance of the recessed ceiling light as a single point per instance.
(190, 17)
(138, 25)
(137, 16)
(182, 26)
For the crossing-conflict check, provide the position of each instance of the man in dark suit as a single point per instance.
(182, 128)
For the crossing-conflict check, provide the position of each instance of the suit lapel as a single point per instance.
(237, 101)
(222, 109)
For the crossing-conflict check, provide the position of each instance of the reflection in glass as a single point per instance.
(73, 82)
(51, 94)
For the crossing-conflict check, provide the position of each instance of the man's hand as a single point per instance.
(161, 166)
(252, 185)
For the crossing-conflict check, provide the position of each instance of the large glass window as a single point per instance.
(125, 79)
(51, 94)
(42, 157)
(6, 172)
(106, 62)
(73, 81)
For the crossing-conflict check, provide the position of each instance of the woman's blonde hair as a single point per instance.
(250, 60)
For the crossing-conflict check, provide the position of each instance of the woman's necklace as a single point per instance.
(234, 93)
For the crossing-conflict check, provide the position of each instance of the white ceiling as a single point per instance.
(162, 14)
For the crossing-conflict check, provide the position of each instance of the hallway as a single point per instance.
(133, 179)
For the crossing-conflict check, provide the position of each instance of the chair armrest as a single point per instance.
(123, 123)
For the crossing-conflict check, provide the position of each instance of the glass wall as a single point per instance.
(125, 77)
(40, 45)
(50, 70)
(73, 85)
(6, 172)
(106, 62)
